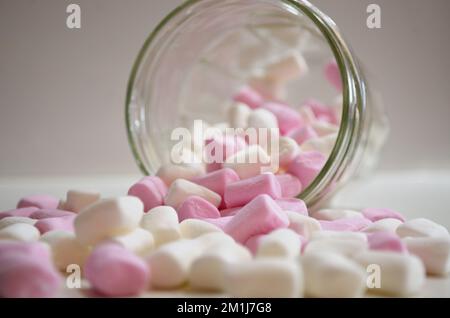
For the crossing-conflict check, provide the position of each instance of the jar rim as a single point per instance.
(353, 98)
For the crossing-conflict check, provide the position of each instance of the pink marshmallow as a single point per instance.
(287, 118)
(302, 134)
(151, 193)
(354, 224)
(195, 207)
(292, 204)
(290, 185)
(50, 213)
(24, 212)
(333, 75)
(217, 181)
(241, 192)
(26, 271)
(260, 216)
(386, 241)
(114, 271)
(220, 222)
(321, 111)
(39, 201)
(249, 96)
(375, 214)
(229, 211)
(306, 166)
(64, 223)
(226, 145)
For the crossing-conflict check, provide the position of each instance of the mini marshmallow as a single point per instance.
(262, 118)
(356, 236)
(288, 149)
(386, 241)
(323, 128)
(263, 278)
(162, 222)
(10, 220)
(269, 88)
(181, 189)
(375, 214)
(23, 212)
(114, 271)
(293, 204)
(139, 241)
(328, 274)
(306, 166)
(78, 200)
(421, 227)
(66, 249)
(321, 112)
(241, 192)
(26, 271)
(195, 207)
(400, 274)
(249, 162)
(348, 224)
(287, 118)
(38, 201)
(290, 185)
(323, 144)
(50, 213)
(20, 232)
(220, 222)
(346, 247)
(220, 147)
(207, 272)
(238, 114)
(280, 243)
(302, 134)
(260, 216)
(249, 97)
(170, 172)
(336, 214)
(288, 67)
(333, 75)
(64, 223)
(302, 225)
(230, 211)
(433, 251)
(148, 192)
(193, 228)
(217, 180)
(108, 218)
(383, 225)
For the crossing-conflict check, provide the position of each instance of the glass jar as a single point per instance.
(204, 50)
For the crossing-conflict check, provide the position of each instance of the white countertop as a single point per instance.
(413, 193)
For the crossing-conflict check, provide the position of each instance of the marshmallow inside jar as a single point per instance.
(258, 86)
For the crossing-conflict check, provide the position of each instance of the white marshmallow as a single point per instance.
(262, 118)
(329, 274)
(324, 128)
(433, 251)
(288, 150)
(108, 218)
(262, 278)
(162, 222)
(323, 144)
(383, 225)
(193, 228)
(301, 224)
(10, 220)
(400, 274)
(78, 200)
(170, 172)
(421, 227)
(180, 189)
(357, 236)
(245, 168)
(288, 67)
(238, 114)
(336, 214)
(20, 232)
(346, 247)
(280, 243)
(66, 249)
(269, 88)
(139, 241)
(208, 271)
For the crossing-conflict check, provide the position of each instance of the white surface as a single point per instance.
(415, 194)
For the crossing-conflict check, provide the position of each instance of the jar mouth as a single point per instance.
(353, 100)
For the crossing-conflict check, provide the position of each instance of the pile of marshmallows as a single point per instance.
(224, 228)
